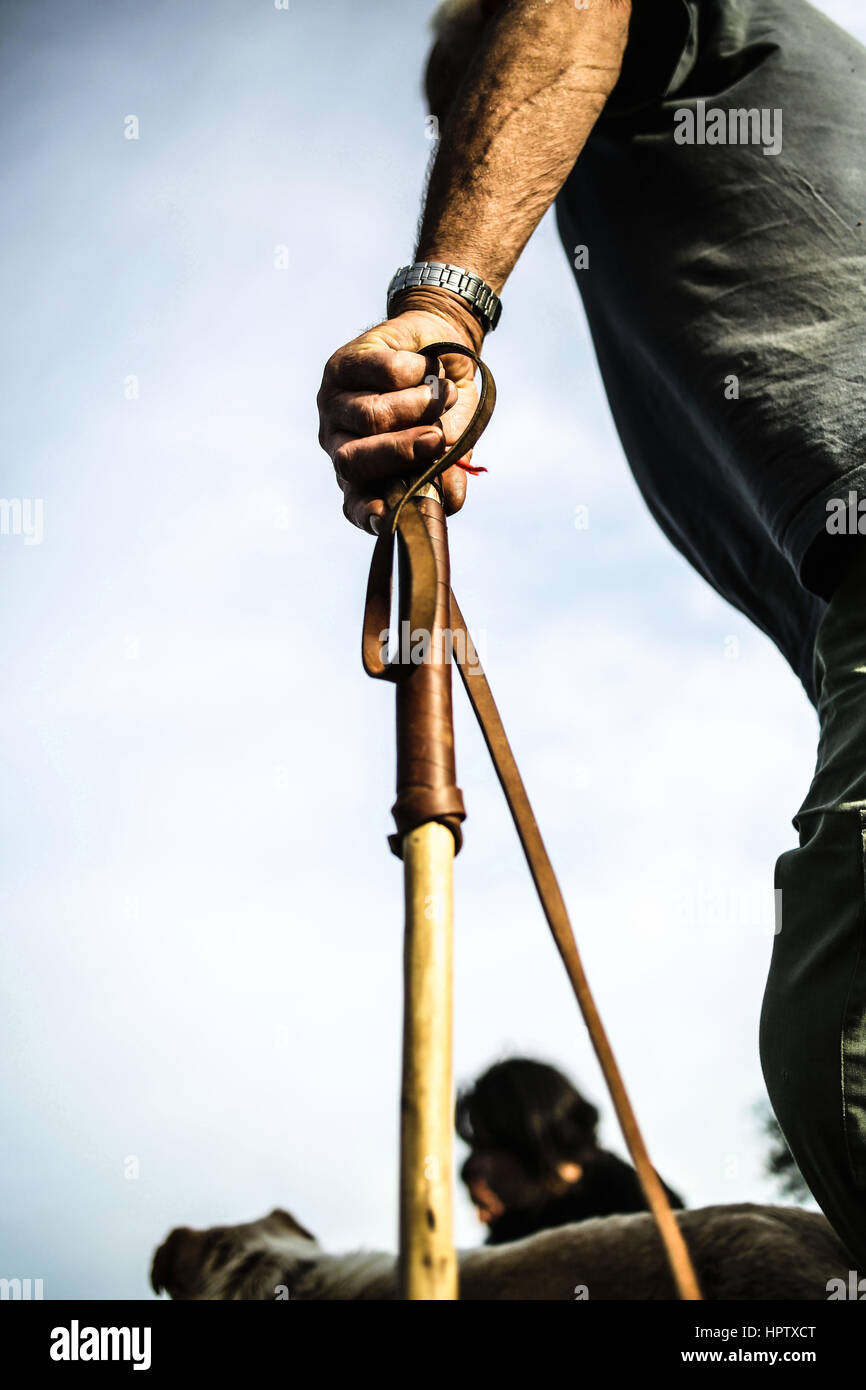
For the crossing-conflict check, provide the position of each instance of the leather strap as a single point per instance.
(426, 789)
(553, 905)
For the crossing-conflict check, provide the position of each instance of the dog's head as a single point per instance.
(234, 1262)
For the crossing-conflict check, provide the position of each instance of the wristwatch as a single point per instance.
(486, 306)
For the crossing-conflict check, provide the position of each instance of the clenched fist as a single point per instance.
(386, 410)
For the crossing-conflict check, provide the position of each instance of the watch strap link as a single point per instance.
(484, 302)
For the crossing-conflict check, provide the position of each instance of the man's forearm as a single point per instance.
(521, 116)
(537, 80)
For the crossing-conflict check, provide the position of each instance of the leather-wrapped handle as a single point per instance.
(426, 772)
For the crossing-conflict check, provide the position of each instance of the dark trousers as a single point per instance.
(724, 288)
(813, 1023)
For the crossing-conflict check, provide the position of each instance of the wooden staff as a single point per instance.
(428, 812)
(428, 1261)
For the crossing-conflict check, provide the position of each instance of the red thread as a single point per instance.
(470, 467)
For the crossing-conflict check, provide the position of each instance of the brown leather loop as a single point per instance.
(418, 575)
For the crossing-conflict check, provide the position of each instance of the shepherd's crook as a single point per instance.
(428, 813)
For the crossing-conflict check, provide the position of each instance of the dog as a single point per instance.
(739, 1252)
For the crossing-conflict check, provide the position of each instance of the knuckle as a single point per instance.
(368, 411)
(398, 366)
(342, 460)
(405, 448)
(332, 366)
(385, 414)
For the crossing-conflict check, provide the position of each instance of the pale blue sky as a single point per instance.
(202, 921)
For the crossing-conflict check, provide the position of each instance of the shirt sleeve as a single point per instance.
(661, 50)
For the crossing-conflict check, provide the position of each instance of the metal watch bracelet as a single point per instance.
(484, 303)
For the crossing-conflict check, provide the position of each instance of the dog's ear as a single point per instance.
(187, 1258)
(292, 1226)
(169, 1261)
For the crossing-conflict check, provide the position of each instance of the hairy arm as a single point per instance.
(538, 79)
(542, 74)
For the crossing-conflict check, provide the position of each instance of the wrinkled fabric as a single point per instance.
(813, 1022)
(715, 269)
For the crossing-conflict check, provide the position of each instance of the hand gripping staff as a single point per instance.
(428, 813)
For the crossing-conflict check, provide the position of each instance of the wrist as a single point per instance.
(444, 305)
